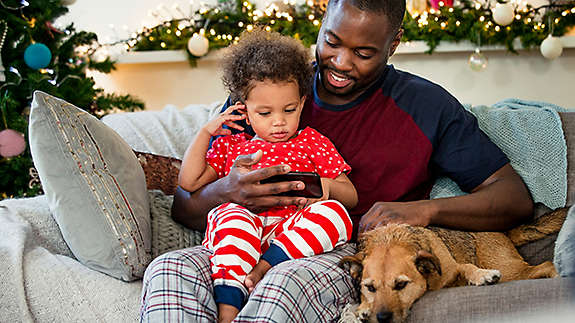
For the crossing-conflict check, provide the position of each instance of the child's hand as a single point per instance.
(325, 188)
(215, 126)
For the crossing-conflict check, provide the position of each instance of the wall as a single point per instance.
(527, 76)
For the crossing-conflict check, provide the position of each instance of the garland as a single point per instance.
(222, 24)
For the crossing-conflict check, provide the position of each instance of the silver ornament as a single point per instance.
(478, 61)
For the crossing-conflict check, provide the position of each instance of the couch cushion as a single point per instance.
(94, 185)
(568, 122)
(513, 300)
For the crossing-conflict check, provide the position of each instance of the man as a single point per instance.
(397, 131)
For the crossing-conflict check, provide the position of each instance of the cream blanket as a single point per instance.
(41, 280)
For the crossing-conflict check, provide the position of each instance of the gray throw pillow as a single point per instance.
(95, 187)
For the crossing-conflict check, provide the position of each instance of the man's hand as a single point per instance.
(382, 213)
(243, 186)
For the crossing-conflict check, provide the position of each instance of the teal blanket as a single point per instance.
(531, 135)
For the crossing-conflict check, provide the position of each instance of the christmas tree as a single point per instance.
(34, 55)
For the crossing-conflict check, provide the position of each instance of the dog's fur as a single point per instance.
(397, 263)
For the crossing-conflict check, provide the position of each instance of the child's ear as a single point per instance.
(245, 112)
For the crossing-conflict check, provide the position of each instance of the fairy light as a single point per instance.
(178, 33)
(289, 18)
(517, 17)
(273, 21)
(450, 9)
(477, 6)
(240, 24)
(497, 28)
(482, 18)
(212, 32)
(268, 28)
(310, 3)
(316, 22)
(441, 4)
(457, 23)
(311, 17)
(163, 45)
(443, 25)
(250, 27)
(202, 31)
(556, 20)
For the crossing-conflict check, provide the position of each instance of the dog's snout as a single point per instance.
(384, 316)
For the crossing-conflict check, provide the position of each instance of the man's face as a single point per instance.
(352, 50)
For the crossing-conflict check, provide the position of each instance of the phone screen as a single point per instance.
(312, 182)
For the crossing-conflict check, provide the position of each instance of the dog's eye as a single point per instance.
(400, 285)
(370, 288)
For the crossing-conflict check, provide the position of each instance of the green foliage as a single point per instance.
(64, 77)
(460, 23)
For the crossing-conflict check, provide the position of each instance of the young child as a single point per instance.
(268, 75)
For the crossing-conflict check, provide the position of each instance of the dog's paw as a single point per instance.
(485, 277)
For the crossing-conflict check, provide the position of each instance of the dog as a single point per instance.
(396, 264)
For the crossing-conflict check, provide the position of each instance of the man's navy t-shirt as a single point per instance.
(401, 134)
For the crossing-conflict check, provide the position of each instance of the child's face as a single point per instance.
(274, 109)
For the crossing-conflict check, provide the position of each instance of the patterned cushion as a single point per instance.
(94, 185)
(161, 171)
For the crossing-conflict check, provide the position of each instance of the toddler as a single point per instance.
(268, 76)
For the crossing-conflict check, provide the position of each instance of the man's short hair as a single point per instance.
(393, 9)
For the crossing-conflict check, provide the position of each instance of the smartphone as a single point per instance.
(311, 180)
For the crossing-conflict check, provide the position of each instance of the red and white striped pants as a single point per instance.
(238, 237)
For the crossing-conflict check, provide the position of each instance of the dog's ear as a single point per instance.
(352, 264)
(427, 263)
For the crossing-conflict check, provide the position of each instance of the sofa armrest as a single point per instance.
(568, 123)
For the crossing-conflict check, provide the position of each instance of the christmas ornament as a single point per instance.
(477, 61)
(415, 7)
(37, 56)
(3, 24)
(503, 13)
(435, 4)
(198, 45)
(551, 47)
(12, 143)
(68, 2)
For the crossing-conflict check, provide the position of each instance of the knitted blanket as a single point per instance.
(530, 134)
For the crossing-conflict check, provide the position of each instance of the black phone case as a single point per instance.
(312, 182)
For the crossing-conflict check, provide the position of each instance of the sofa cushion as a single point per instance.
(568, 123)
(161, 171)
(94, 185)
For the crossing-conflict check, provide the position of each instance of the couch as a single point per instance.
(44, 281)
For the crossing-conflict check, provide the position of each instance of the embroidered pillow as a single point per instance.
(95, 187)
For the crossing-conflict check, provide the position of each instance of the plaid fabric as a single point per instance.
(178, 288)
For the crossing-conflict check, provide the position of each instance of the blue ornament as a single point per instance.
(37, 56)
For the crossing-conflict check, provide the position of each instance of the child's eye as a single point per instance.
(263, 114)
(290, 110)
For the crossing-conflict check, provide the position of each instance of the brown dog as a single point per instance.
(397, 263)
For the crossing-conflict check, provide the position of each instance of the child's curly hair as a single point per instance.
(262, 55)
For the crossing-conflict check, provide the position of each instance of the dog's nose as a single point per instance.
(384, 316)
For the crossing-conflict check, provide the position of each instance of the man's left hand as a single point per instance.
(381, 213)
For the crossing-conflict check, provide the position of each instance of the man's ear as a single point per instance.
(352, 264)
(395, 42)
(427, 263)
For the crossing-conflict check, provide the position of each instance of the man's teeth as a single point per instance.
(337, 78)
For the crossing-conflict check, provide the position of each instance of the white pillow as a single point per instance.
(95, 187)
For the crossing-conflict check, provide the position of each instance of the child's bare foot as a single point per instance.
(253, 278)
(226, 313)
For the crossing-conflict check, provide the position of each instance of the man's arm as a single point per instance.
(240, 186)
(499, 203)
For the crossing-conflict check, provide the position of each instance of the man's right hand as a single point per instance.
(242, 185)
